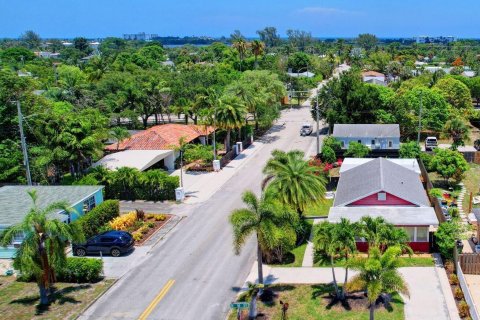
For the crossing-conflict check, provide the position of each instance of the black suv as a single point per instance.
(111, 242)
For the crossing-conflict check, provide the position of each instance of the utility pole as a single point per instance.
(24, 144)
(419, 120)
(318, 126)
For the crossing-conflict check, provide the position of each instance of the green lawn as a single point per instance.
(19, 300)
(295, 257)
(472, 183)
(312, 302)
(319, 210)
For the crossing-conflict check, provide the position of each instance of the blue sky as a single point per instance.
(347, 18)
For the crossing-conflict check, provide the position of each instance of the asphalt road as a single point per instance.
(198, 255)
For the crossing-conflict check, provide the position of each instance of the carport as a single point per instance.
(138, 159)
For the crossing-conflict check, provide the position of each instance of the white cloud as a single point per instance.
(323, 10)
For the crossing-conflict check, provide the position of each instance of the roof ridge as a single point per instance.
(381, 175)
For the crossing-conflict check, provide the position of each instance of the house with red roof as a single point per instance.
(384, 188)
(154, 147)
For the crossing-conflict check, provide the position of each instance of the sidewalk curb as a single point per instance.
(115, 280)
(166, 233)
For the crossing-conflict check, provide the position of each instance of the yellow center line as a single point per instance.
(157, 299)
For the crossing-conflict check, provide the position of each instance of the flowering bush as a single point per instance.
(124, 222)
(160, 217)
(137, 236)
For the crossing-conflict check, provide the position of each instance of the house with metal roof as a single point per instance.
(383, 188)
(15, 203)
(374, 136)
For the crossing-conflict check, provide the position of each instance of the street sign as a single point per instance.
(239, 305)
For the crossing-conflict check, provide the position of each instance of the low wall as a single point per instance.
(466, 292)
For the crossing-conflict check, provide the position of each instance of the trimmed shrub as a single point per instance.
(144, 229)
(92, 222)
(463, 309)
(458, 293)
(160, 217)
(124, 222)
(453, 279)
(151, 225)
(137, 236)
(80, 270)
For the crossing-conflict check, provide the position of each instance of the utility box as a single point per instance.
(240, 146)
(216, 165)
(179, 194)
(235, 149)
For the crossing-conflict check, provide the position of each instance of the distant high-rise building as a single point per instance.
(441, 39)
(141, 36)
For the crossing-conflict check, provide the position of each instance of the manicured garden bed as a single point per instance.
(314, 302)
(19, 300)
(141, 226)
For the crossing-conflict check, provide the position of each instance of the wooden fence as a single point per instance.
(434, 200)
(466, 290)
(470, 263)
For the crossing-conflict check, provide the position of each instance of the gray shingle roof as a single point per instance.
(380, 175)
(15, 201)
(366, 130)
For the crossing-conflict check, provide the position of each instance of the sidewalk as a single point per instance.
(426, 299)
(200, 186)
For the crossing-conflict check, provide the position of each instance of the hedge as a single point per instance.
(93, 221)
(81, 270)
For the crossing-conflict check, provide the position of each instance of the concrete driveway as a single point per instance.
(426, 299)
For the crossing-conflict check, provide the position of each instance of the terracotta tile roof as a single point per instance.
(161, 137)
(372, 74)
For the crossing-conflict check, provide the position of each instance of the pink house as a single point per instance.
(383, 188)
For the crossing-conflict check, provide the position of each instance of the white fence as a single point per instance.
(466, 292)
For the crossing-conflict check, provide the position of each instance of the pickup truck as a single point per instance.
(306, 129)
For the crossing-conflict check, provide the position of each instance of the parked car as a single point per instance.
(431, 143)
(306, 129)
(114, 243)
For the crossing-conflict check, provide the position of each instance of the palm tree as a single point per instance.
(457, 130)
(252, 292)
(344, 233)
(378, 274)
(379, 233)
(326, 242)
(266, 218)
(230, 114)
(298, 184)
(241, 46)
(258, 48)
(180, 148)
(42, 251)
(119, 134)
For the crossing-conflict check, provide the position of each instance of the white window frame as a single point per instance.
(382, 196)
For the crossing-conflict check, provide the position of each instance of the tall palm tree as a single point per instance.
(264, 217)
(230, 114)
(119, 134)
(378, 274)
(42, 251)
(242, 47)
(258, 48)
(298, 184)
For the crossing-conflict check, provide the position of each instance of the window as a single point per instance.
(390, 143)
(422, 234)
(89, 204)
(373, 142)
(106, 239)
(359, 141)
(342, 144)
(411, 233)
(381, 196)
